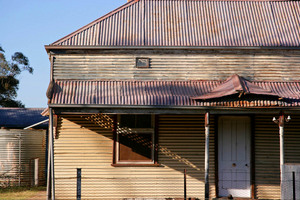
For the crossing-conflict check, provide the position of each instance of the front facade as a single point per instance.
(159, 90)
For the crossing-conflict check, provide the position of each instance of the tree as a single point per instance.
(9, 83)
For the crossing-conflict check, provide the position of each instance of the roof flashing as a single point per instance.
(235, 85)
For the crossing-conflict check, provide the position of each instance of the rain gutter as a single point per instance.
(53, 47)
(172, 109)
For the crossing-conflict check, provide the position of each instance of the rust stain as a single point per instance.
(170, 93)
(193, 23)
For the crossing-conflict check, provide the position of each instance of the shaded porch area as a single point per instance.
(85, 144)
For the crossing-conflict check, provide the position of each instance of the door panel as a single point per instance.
(234, 156)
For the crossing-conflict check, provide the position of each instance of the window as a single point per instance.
(142, 63)
(135, 139)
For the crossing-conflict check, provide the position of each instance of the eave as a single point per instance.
(52, 47)
(119, 109)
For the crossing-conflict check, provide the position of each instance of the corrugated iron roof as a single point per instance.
(167, 93)
(236, 85)
(196, 23)
(22, 117)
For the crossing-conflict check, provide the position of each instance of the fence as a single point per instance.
(290, 188)
(184, 189)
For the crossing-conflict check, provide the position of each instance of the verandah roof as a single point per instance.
(170, 93)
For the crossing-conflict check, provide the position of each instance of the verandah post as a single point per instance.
(184, 184)
(281, 121)
(281, 135)
(49, 167)
(50, 171)
(206, 159)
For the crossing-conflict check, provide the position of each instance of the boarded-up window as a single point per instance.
(138, 149)
(142, 63)
(135, 138)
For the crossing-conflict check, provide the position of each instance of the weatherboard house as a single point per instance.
(166, 99)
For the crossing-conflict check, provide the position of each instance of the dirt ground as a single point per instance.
(41, 195)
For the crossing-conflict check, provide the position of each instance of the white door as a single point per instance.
(234, 156)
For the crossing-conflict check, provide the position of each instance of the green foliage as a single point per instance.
(9, 83)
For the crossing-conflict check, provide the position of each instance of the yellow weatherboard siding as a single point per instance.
(83, 144)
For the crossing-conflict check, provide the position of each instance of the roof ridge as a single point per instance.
(96, 21)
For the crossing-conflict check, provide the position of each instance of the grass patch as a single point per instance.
(19, 193)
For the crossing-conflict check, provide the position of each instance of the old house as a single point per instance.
(22, 147)
(159, 87)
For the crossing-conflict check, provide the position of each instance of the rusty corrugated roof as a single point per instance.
(236, 85)
(168, 93)
(197, 23)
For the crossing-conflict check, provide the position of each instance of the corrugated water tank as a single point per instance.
(22, 157)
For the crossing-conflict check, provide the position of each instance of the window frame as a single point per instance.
(152, 131)
(142, 58)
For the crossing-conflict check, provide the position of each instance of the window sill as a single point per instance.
(136, 165)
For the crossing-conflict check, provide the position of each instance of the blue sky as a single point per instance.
(26, 26)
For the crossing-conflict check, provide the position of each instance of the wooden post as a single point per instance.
(49, 165)
(184, 184)
(281, 121)
(52, 154)
(281, 144)
(281, 135)
(206, 160)
(50, 171)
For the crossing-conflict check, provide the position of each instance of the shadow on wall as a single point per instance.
(181, 148)
(142, 143)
